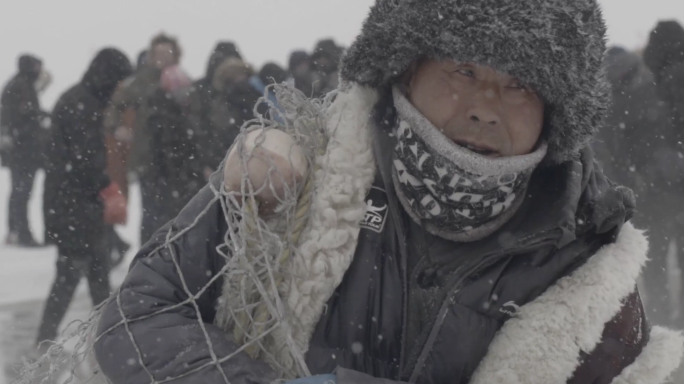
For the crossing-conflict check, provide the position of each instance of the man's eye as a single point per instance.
(465, 72)
(519, 86)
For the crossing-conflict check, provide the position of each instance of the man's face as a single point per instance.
(487, 112)
(163, 55)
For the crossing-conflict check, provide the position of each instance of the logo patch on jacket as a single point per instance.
(376, 210)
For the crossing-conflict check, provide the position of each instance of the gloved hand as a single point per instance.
(317, 379)
(115, 204)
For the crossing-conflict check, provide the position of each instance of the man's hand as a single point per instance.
(123, 134)
(275, 164)
(115, 205)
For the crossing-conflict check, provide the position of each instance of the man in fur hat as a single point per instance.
(459, 230)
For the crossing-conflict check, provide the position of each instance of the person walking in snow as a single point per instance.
(635, 150)
(80, 199)
(664, 55)
(459, 229)
(21, 143)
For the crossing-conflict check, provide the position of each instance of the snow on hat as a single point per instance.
(555, 46)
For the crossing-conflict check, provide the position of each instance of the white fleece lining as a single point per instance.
(327, 245)
(329, 242)
(542, 343)
(657, 361)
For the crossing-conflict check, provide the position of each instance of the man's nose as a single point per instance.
(485, 109)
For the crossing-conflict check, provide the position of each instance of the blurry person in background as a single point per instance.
(118, 125)
(175, 168)
(201, 95)
(664, 55)
(300, 70)
(127, 119)
(232, 105)
(120, 122)
(21, 142)
(270, 73)
(80, 199)
(635, 149)
(324, 64)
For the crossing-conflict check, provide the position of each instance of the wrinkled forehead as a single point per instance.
(483, 71)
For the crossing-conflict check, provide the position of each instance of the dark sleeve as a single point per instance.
(624, 337)
(166, 334)
(80, 122)
(22, 108)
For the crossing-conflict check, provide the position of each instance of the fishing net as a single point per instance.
(258, 249)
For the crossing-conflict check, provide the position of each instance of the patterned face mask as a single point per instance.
(456, 194)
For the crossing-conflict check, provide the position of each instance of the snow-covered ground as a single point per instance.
(26, 274)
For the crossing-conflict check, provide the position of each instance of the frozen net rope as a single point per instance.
(257, 270)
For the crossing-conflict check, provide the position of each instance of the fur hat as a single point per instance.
(555, 46)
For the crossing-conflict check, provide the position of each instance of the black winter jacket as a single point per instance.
(77, 157)
(571, 211)
(20, 116)
(175, 166)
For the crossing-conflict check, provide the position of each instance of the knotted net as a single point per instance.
(258, 250)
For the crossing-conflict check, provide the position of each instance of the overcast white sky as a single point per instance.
(67, 33)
